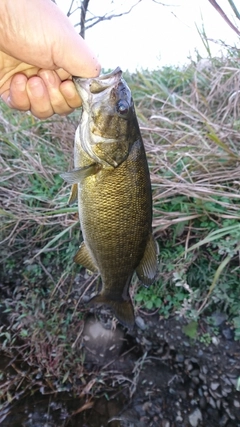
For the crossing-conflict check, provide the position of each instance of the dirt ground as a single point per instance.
(163, 378)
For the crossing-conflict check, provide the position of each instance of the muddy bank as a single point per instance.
(158, 377)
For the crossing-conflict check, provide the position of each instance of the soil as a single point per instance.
(161, 378)
(158, 376)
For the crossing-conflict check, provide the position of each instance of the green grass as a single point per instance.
(190, 125)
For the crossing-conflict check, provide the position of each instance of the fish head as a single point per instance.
(108, 124)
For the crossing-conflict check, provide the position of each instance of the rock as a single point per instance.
(194, 360)
(211, 402)
(203, 378)
(179, 417)
(191, 393)
(179, 358)
(140, 323)
(234, 381)
(226, 380)
(223, 421)
(195, 417)
(230, 414)
(236, 403)
(139, 410)
(195, 373)
(146, 406)
(196, 380)
(218, 318)
(183, 394)
(228, 334)
(214, 386)
(204, 369)
(226, 390)
(202, 402)
(215, 340)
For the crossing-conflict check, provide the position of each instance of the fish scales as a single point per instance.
(114, 192)
(116, 213)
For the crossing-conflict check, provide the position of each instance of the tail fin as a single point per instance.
(123, 309)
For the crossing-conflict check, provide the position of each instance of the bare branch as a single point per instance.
(109, 17)
(224, 16)
(164, 4)
(84, 8)
(70, 12)
(234, 8)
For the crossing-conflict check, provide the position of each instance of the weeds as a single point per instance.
(190, 124)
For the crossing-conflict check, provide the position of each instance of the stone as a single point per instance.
(228, 334)
(219, 318)
(214, 386)
(140, 323)
(236, 403)
(195, 417)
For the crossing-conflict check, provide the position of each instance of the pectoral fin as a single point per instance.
(77, 175)
(73, 195)
(123, 309)
(147, 269)
(84, 258)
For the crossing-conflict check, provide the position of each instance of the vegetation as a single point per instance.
(190, 124)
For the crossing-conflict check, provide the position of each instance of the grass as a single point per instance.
(190, 124)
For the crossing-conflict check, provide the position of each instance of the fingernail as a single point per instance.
(36, 88)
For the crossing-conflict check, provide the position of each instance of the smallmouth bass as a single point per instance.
(111, 182)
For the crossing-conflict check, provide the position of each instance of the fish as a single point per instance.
(111, 182)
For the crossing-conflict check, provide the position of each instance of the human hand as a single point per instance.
(39, 56)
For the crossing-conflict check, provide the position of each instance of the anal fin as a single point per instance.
(84, 258)
(147, 268)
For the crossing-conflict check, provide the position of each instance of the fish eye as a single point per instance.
(122, 107)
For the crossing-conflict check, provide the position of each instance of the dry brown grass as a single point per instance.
(190, 125)
(191, 136)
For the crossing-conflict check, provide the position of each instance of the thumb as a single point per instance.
(49, 42)
(70, 51)
(74, 55)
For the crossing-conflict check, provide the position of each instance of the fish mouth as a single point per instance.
(97, 84)
(114, 73)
